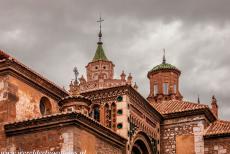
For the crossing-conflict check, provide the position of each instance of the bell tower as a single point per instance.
(164, 82)
(100, 68)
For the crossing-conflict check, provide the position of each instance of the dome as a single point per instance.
(164, 66)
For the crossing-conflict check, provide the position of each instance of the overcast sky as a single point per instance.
(53, 36)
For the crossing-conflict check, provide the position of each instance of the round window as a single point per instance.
(119, 112)
(42, 108)
(119, 98)
(119, 126)
(45, 106)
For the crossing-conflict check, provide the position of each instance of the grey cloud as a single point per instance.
(53, 36)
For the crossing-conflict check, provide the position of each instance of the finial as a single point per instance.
(198, 100)
(100, 34)
(76, 73)
(135, 86)
(164, 59)
(213, 97)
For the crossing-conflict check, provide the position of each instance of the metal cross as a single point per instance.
(76, 73)
(100, 21)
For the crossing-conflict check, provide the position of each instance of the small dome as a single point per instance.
(164, 66)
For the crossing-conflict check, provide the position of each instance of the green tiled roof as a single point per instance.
(100, 54)
(163, 66)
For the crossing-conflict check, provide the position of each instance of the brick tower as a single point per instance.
(100, 68)
(164, 82)
(99, 73)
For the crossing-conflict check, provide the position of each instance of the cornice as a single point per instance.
(61, 120)
(21, 72)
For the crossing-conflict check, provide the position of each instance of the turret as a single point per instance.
(164, 82)
(100, 66)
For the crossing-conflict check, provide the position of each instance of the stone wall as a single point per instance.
(63, 139)
(19, 101)
(8, 99)
(217, 145)
(176, 128)
(29, 98)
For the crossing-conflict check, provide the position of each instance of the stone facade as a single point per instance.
(173, 128)
(217, 145)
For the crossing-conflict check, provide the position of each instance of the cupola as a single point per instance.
(164, 82)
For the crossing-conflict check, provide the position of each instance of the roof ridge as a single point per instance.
(195, 103)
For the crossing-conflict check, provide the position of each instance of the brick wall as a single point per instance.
(18, 101)
(27, 105)
(217, 145)
(171, 129)
(65, 139)
(8, 99)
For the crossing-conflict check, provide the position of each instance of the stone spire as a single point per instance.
(100, 54)
(135, 86)
(214, 106)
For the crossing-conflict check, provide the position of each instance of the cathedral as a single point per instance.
(101, 114)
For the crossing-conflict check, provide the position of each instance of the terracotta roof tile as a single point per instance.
(218, 128)
(174, 106)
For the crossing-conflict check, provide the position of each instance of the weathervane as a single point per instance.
(100, 34)
(76, 73)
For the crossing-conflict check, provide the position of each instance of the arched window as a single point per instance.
(155, 90)
(107, 116)
(45, 106)
(114, 115)
(95, 76)
(174, 88)
(96, 113)
(165, 88)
